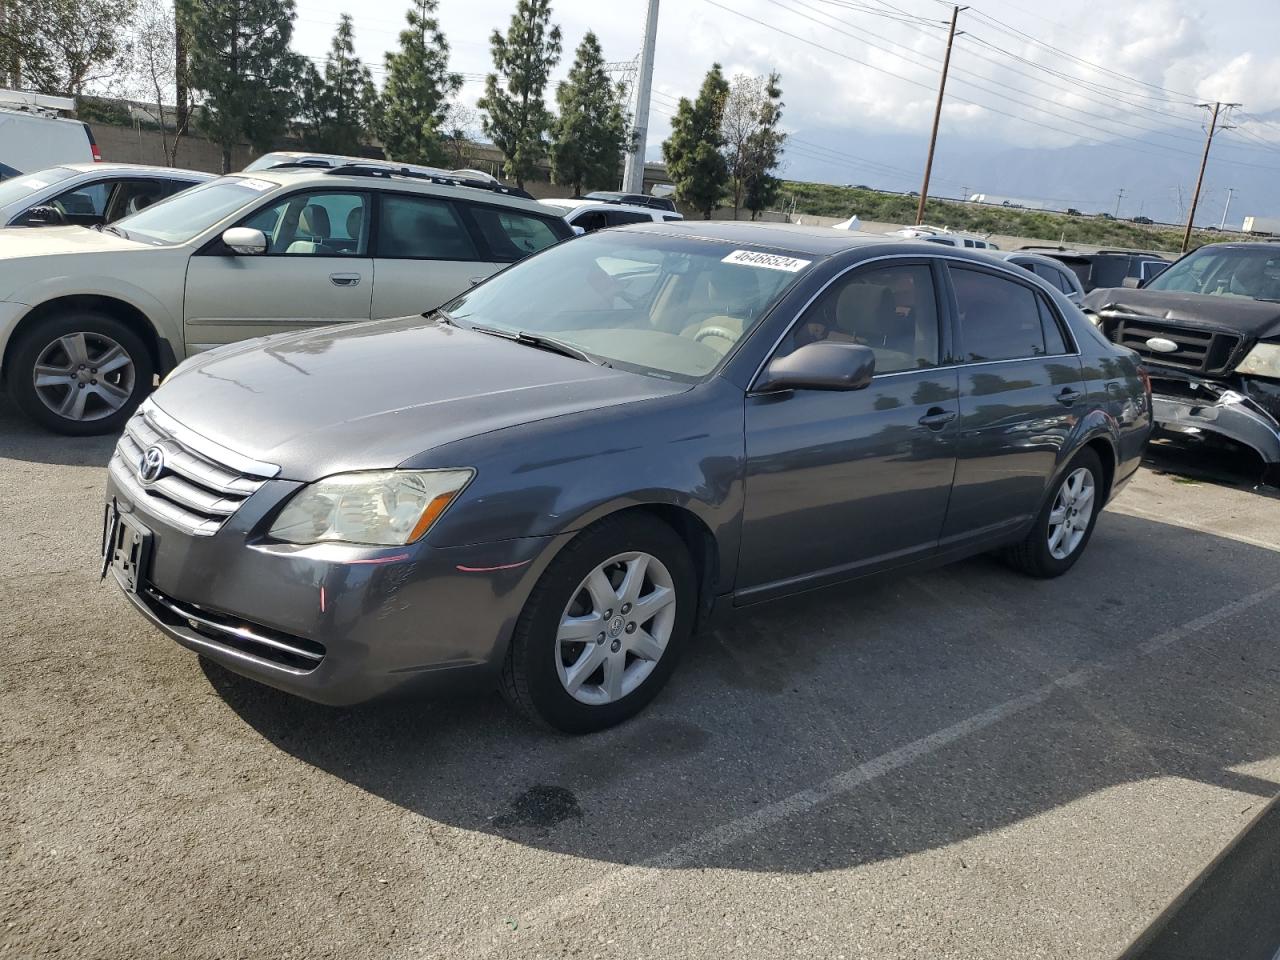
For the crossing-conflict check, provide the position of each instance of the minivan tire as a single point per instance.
(530, 679)
(1033, 555)
(98, 328)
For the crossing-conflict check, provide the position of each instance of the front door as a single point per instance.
(316, 270)
(843, 483)
(1021, 392)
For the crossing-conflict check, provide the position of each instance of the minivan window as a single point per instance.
(422, 228)
(182, 216)
(999, 319)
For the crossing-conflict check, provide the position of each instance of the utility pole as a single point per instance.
(1225, 207)
(1204, 162)
(937, 114)
(1119, 197)
(633, 170)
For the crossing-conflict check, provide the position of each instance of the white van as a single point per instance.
(31, 141)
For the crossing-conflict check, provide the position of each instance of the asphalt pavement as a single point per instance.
(961, 763)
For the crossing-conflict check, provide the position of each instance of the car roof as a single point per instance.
(143, 168)
(327, 177)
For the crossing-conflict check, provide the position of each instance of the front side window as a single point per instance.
(87, 204)
(665, 306)
(893, 310)
(329, 224)
(133, 196)
(591, 220)
(999, 319)
(513, 235)
(422, 228)
(185, 215)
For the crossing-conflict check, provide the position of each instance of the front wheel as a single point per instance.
(80, 373)
(604, 626)
(1062, 531)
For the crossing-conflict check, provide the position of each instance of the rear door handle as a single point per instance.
(1068, 396)
(345, 279)
(936, 418)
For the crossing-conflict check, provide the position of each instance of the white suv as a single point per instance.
(88, 317)
(588, 215)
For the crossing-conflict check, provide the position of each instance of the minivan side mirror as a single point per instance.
(820, 366)
(245, 241)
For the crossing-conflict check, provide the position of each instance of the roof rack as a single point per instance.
(386, 171)
(1131, 253)
(1046, 246)
(632, 200)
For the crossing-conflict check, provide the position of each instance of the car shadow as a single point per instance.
(20, 439)
(816, 691)
(1212, 461)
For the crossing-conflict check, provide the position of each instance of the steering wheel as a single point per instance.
(50, 209)
(720, 332)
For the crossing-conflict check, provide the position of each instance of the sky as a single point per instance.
(859, 79)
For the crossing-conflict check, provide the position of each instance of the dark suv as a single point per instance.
(1209, 330)
(1106, 268)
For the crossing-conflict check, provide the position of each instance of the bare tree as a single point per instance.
(459, 134)
(155, 71)
(752, 143)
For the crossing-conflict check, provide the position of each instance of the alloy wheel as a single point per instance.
(1071, 513)
(615, 628)
(83, 376)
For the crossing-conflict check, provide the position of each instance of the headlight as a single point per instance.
(1262, 361)
(382, 508)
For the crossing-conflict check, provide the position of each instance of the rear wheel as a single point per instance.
(80, 373)
(1062, 531)
(604, 627)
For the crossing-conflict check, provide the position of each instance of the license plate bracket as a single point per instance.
(126, 548)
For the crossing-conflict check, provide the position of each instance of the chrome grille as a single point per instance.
(201, 484)
(1200, 351)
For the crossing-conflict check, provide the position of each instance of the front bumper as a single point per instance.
(1189, 406)
(334, 624)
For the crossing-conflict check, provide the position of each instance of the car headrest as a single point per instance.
(355, 221)
(314, 221)
(866, 309)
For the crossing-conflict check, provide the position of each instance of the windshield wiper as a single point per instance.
(550, 344)
(441, 316)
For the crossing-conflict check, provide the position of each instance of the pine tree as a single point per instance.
(589, 136)
(516, 118)
(238, 60)
(415, 100)
(338, 107)
(693, 152)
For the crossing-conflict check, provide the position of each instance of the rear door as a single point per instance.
(425, 254)
(1021, 391)
(317, 270)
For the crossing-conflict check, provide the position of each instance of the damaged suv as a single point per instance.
(1208, 329)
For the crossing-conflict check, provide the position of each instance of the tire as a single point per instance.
(1035, 555)
(68, 344)
(623, 661)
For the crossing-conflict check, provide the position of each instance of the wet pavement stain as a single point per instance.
(540, 806)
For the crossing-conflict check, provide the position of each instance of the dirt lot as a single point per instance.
(963, 763)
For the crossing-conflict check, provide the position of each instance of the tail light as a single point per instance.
(97, 154)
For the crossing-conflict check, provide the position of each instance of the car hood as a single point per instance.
(1256, 319)
(371, 395)
(17, 242)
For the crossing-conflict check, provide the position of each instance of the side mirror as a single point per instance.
(245, 241)
(820, 366)
(579, 231)
(43, 216)
(1131, 282)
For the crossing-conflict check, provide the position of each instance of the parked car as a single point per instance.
(1145, 221)
(36, 140)
(1104, 268)
(632, 199)
(1208, 328)
(944, 236)
(89, 194)
(589, 215)
(1050, 271)
(553, 481)
(87, 317)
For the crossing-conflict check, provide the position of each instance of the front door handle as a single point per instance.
(345, 279)
(1068, 396)
(936, 418)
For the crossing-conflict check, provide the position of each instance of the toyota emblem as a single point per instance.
(151, 465)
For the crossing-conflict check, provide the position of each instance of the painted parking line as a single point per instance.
(591, 895)
(1128, 510)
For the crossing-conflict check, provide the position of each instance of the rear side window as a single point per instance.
(422, 228)
(591, 220)
(1051, 275)
(617, 218)
(999, 319)
(1054, 342)
(513, 235)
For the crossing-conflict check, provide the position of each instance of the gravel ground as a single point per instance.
(962, 763)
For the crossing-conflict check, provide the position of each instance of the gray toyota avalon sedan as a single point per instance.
(553, 481)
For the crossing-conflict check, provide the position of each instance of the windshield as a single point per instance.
(24, 185)
(1224, 271)
(187, 214)
(667, 306)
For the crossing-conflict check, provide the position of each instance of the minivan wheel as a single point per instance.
(1062, 531)
(80, 373)
(604, 626)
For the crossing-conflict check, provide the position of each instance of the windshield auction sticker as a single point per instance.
(769, 261)
(254, 184)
